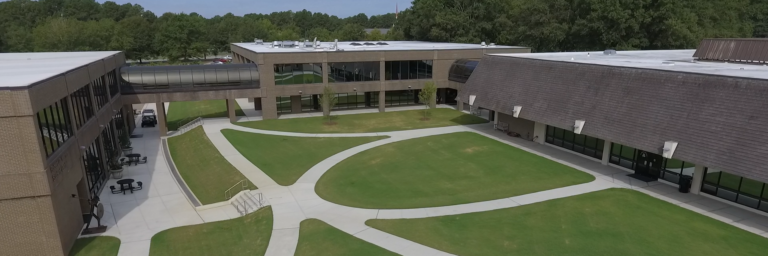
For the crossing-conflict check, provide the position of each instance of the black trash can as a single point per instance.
(685, 183)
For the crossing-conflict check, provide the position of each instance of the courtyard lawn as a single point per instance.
(373, 122)
(181, 112)
(286, 158)
(441, 170)
(247, 235)
(207, 173)
(609, 222)
(318, 238)
(95, 246)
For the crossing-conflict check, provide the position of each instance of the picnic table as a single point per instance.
(125, 182)
(133, 158)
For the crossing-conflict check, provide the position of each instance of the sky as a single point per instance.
(210, 8)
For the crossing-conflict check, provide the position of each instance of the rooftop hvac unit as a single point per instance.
(609, 52)
(482, 44)
(307, 43)
(493, 45)
(258, 41)
(286, 44)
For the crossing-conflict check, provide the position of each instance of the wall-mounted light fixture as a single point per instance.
(299, 92)
(472, 99)
(578, 126)
(516, 111)
(355, 89)
(669, 149)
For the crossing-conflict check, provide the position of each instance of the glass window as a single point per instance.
(54, 126)
(751, 187)
(413, 69)
(305, 73)
(388, 70)
(396, 70)
(712, 176)
(729, 181)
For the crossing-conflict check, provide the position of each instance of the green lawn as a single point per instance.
(95, 246)
(286, 158)
(318, 238)
(373, 122)
(247, 235)
(609, 222)
(181, 112)
(202, 167)
(441, 170)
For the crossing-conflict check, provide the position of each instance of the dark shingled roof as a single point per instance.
(719, 122)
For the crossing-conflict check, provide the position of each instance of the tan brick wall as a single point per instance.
(20, 149)
(15, 103)
(29, 227)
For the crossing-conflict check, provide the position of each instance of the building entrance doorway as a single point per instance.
(648, 165)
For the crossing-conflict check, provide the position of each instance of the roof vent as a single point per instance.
(296, 44)
(482, 44)
(258, 41)
(369, 43)
(275, 44)
(382, 43)
(355, 44)
(667, 63)
(493, 45)
(609, 52)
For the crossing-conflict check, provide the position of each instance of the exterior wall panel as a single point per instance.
(719, 122)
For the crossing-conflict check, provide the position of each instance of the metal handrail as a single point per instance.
(228, 192)
(191, 125)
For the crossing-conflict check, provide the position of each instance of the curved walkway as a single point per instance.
(297, 202)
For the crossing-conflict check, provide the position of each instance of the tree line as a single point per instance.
(573, 25)
(543, 25)
(86, 25)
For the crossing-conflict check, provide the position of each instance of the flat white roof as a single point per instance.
(391, 46)
(24, 69)
(670, 60)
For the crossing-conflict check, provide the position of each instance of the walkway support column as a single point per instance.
(459, 105)
(160, 112)
(606, 152)
(698, 178)
(231, 110)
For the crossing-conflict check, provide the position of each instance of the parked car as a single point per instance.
(148, 118)
(228, 57)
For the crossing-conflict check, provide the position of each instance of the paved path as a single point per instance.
(161, 205)
(135, 217)
(297, 202)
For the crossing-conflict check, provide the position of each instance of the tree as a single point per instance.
(427, 96)
(350, 32)
(375, 35)
(327, 101)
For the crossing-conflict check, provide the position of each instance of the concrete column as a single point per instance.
(296, 104)
(256, 103)
(382, 88)
(539, 132)
(698, 179)
(459, 105)
(231, 110)
(160, 112)
(606, 152)
(382, 101)
(269, 108)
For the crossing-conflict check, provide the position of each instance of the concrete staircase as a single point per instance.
(248, 201)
